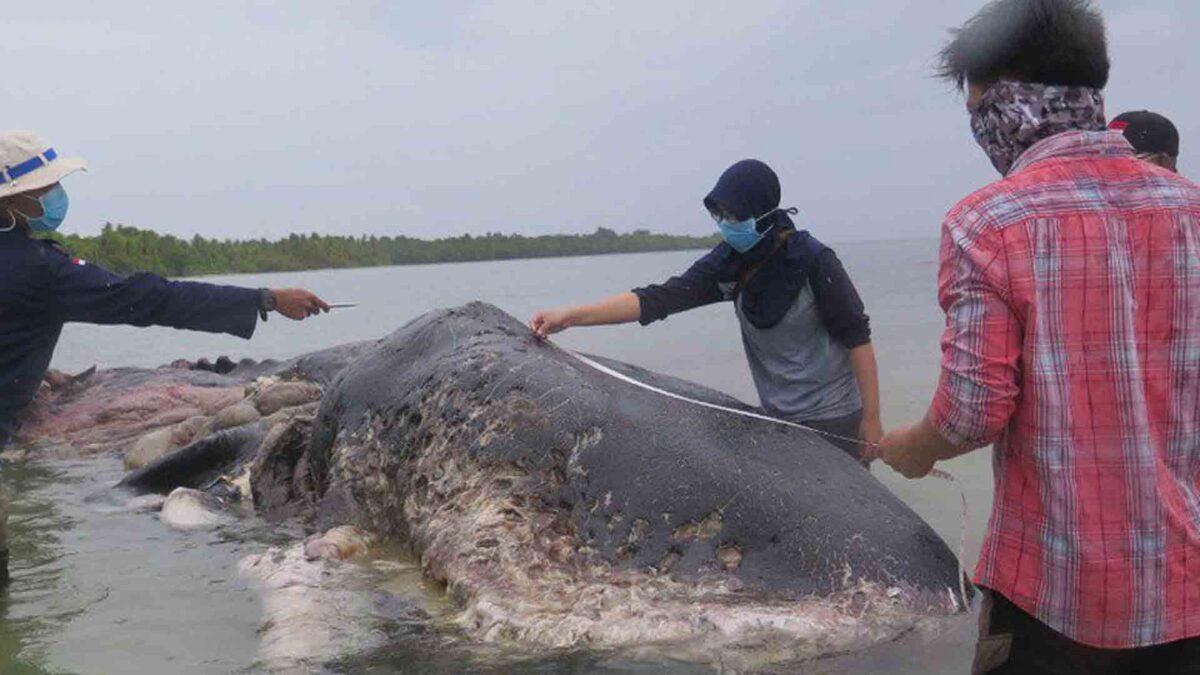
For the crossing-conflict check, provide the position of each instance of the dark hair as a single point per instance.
(1053, 42)
(8, 221)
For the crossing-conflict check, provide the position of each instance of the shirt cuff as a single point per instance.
(856, 339)
(245, 314)
(646, 305)
(960, 426)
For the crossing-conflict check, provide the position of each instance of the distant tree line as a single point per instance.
(127, 249)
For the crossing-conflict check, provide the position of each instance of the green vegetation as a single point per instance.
(126, 249)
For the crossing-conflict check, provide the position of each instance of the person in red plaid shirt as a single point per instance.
(1071, 289)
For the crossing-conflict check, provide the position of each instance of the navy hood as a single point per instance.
(750, 189)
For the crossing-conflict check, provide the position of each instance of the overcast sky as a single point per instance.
(239, 118)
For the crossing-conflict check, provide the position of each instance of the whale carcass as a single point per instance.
(558, 505)
(562, 505)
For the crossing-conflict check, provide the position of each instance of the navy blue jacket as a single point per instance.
(41, 288)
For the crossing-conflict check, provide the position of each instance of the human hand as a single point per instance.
(298, 304)
(871, 431)
(545, 324)
(899, 450)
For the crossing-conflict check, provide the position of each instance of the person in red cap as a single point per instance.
(1153, 137)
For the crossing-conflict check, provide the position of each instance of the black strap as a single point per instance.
(747, 275)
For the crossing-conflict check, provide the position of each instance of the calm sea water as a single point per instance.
(98, 590)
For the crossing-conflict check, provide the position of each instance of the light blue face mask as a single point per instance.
(742, 236)
(55, 204)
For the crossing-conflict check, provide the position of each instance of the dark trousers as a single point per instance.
(1012, 642)
(849, 427)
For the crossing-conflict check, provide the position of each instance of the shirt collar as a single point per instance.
(1074, 144)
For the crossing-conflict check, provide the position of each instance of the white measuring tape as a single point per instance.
(936, 473)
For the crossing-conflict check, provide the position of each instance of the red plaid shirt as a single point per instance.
(1072, 299)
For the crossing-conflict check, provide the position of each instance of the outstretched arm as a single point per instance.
(694, 288)
(623, 308)
(77, 291)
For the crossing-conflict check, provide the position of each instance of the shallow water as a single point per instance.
(100, 590)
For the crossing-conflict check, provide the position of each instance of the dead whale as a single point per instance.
(558, 506)
(563, 506)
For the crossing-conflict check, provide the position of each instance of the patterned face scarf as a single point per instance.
(1013, 116)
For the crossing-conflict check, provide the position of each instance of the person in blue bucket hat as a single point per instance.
(805, 331)
(42, 287)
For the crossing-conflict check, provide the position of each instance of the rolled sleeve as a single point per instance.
(982, 343)
(696, 287)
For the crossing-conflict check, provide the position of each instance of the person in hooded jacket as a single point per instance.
(806, 334)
